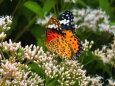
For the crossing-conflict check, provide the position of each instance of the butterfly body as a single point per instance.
(60, 38)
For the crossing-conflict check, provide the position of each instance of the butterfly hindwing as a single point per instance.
(74, 43)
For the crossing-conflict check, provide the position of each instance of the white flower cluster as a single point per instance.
(5, 23)
(12, 47)
(2, 35)
(12, 72)
(70, 72)
(107, 55)
(111, 82)
(94, 81)
(87, 45)
(93, 19)
(16, 74)
(64, 71)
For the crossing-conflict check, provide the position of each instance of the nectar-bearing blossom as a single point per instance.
(13, 73)
(87, 45)
(111, 82)
(63, 71)
(94, 81)
(92, 19)
(107, 55)
(5, 23)
(2, 36)
(10, 70)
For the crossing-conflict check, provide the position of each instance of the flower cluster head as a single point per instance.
(92, 19)
(5, 22)
(111, 82)
(12, 47)
(13, 71)
(94, 81)
(106, 54)
(64, 71)
(87, 45)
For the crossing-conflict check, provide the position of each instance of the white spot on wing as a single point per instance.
(64, 21)
(52, 26)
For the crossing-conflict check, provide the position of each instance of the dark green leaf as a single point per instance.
(104, 5)
(34, 7)
(34, 67)
(48, 5)
(51, 82)
(39, 34)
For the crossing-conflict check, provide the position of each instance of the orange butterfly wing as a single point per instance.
(73, 42)
(57, 44)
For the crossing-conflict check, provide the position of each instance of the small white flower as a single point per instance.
(5, 22)
(107, 55)
(93, 19)
(2, 35)
(10, 70)
(111, 82)
(11, 46)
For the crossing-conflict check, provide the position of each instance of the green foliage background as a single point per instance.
(25, 29)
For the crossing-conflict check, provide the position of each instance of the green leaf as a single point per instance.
(34, 7)
(113, 23)
(48, 5)
(77, 83)
(104, 4)
(39, 34)
(34, 67)
(51, 82)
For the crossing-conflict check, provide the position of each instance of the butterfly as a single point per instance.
(60, 37)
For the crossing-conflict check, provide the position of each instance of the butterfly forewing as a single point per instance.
(54, 24)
